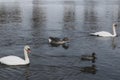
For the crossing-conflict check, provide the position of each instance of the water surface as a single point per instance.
(33, 21)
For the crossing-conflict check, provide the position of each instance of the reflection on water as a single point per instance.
(65, 46)
(89, 69)
(14, 72)
(33, 21)
(69, 15)
(38, 22)
(9, 15)
(90, 16)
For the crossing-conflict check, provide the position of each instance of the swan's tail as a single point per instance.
(93, 34)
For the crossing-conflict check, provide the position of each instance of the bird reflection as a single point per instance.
(113, 43)
(89, 69)
(65, 46)
(27, 73)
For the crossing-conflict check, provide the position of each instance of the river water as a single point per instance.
(31, 22)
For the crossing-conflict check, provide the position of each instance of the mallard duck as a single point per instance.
(89, 57)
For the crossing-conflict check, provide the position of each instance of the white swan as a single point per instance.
(104, 33)
(15, 60)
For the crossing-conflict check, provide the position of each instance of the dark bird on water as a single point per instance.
(55, 40)
(89, 57)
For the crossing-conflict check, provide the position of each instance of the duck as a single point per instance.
(15, 60)
(55, 40)
(105, 33)
(89, 57)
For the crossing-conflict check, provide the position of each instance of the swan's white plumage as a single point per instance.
(15, 60)
(102, 34)
(12, 60)
(105, 33)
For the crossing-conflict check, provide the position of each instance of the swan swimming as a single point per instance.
(105, 33)
(15, 60)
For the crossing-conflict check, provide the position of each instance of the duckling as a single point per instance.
(89, 57)
(55, 40)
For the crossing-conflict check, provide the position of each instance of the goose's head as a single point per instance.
(27, 49)
(66, 39)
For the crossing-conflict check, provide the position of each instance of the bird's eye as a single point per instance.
(28, 48)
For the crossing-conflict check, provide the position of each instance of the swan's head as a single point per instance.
(27, 49)
(115, 25)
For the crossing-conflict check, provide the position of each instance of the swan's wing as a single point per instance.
(101, 33)
(12, 60)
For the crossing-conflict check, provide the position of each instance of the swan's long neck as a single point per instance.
(26, 57)
(114, 31)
